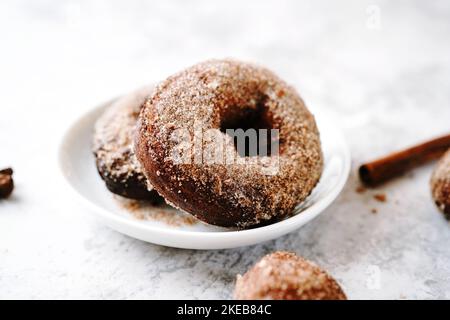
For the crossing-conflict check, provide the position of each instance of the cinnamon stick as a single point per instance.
(383, 169)
(6, 183)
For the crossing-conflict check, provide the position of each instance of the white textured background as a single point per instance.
(382, 68)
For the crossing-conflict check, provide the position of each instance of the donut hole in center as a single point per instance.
(250, 128)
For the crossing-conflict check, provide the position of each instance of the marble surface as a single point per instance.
(381, 68)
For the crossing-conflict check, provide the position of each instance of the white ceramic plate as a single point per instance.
(169, 227)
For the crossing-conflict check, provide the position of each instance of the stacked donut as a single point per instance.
(173, 141)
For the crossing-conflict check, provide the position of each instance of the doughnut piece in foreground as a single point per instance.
(286, 276)
(208, 99)
(113, 148)
(440, 184)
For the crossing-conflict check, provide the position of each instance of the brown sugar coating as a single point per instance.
(214, 96)
(113, 148)
(440, 184)
(286, 276)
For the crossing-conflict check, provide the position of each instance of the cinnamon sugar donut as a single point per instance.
(211, 97)
(286, 276)
(113, 148)
(440, 184)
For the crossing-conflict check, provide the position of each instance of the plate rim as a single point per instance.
(249, 236)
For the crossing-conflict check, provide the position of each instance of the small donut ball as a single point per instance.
(114, 151)
(440, 184)
(201, 104)
(286, 276)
